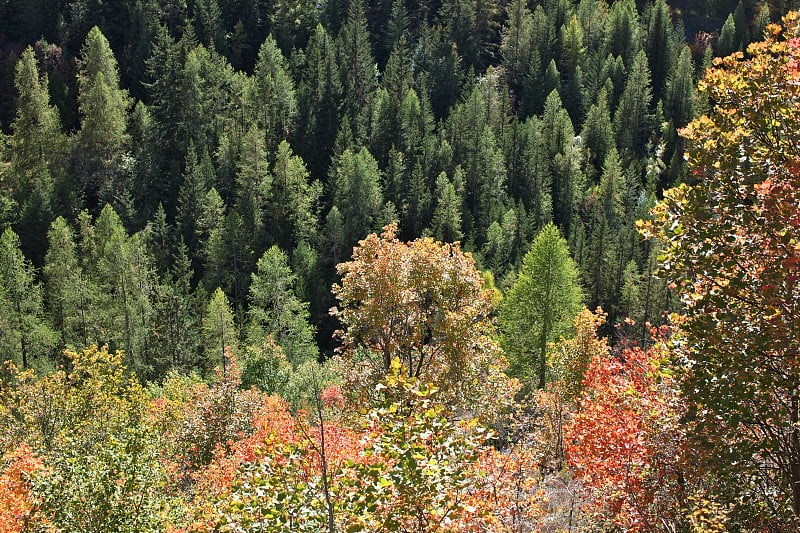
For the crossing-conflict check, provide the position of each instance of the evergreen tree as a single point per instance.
(292, 22)
(219, 332)
(633, 120)
(446, 224)
(126, 279)
(207, 21)
(658, 46)
(517, 45)
(742, 38)
(357, 194)
(570, 59)
(611, 191)
(726, 44)
(357, 68)
(23, 330)
(622, 31)
(253, 185)
(293, 199)
(275, 310)
(680, 102)
(319, 94)
(197, 178)
(145, 183)
(273, 102)
(597, 134)
(176, 330)
(64, 291)
(101, 155)
(36, 148)
(541, 305)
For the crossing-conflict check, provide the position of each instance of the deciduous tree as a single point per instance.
(423, 303)
(731, 250)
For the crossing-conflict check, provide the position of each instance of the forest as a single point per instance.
(455, 266)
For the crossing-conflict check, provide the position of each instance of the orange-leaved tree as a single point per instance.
(625, 443)
(423, 303)
(16, 498)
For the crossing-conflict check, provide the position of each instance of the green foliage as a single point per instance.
(23, 330)
(541, 305)
(219, 331)
(357, 194)
(276, 311)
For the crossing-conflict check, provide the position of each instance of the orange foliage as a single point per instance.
(16, 500)
(625, 441)
(508, 494)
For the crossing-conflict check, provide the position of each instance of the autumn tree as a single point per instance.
(730, 248)
(626, 442)
(423, 303)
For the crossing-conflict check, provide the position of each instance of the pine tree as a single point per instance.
(357, 194)
(541, 305)
(273, 102)
(622, 31)
(23, 330)
(64, 291)
(122, 271)
(597, 134)
(293, 199)
(446, 224)
(517, 45)
(37, 148)
(633, 120)
(207, 21)
(570, 61)
(357, 68)
(658, 47)
(292, 23)
(275, 310)
(610, 192)
(101, 151)
(197, 178)
(177, 328)
(726, 44)
(319, 94)
(680, 102)
(219, 331)
(253, 184)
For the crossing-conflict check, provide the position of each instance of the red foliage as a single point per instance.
(16, 500)
(625, 441)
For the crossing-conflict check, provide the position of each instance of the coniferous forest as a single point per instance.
(457, 266)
